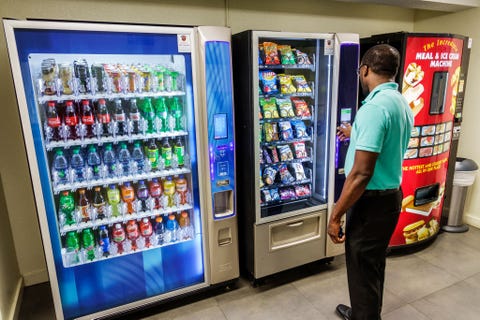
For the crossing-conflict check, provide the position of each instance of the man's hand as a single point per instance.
(334, 228)
(343, 131)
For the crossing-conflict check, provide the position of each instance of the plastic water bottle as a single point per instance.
(60, 166)
(78, 165)
(124, 158)
(94, 161)
(138, 156)
(171, 230)
(109, 160)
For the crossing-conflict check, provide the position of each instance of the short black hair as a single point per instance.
(382, 59)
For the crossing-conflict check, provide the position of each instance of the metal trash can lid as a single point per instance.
(464, 164)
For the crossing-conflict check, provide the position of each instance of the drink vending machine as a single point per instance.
(130, 141)
(432, 77)
(287, 97)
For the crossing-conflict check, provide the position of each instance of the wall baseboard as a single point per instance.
(35, 277)
(17, 301)
(473, 220)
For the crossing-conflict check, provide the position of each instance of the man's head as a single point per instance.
(379, 64)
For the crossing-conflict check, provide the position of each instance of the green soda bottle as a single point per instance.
(67, 207)
(113, 198)
(174, 76)
(161, 112)
(88, 241)
(153, 154)
(166, 153)
(148, 114)
(176, 110)
(179, 151)
(72, 244)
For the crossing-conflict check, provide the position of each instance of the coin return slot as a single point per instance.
(223, 204)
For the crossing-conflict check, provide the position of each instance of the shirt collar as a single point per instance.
(380, 87)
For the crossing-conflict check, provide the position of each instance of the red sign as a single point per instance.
(430, 83)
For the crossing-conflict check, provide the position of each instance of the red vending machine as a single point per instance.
(432, 78)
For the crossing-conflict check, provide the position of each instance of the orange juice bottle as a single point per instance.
(181, 188)
(128, 196)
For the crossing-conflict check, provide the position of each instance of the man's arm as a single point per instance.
(355, 184)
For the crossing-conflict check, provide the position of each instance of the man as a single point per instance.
(371, 193)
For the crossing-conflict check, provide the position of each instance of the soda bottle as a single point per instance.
(161, 112)
(99, 203)
(87, 118)
(181, 189)
(120, 117)
(174, 76)
(78, 165)
(148, 114)
(72, 244)
(83, 205)
(53, 120)
(142, 194)
(179, 152)
(159, 229)
(124, 158)
(169, 190)
(176, 110)
(118, 236)
(171, 229)
(109, 160)
(88, 241)
(82, 73)
(94, 161)
(60, 167)
(146, 230)
(71, 120)
(186, 231)
(128, 196)
(138, 156)
(113, 197)
(153, 154)
(67, 207)
(134, 116)
(103, 116)
(104, 240)
(132, 233)
(155, 189)
(166, 153)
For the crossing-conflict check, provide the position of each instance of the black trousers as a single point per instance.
(370, 224)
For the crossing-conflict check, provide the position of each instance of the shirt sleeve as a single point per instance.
(370, 128)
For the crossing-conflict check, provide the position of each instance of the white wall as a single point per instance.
(466, 23)
(291, 15)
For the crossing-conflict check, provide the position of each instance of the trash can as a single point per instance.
(464, 176)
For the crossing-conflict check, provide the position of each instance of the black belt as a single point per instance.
(374, 193)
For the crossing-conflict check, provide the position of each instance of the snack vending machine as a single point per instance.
(286, 117)
(432, 77)
(119, 122)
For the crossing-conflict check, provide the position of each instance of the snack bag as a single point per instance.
(300, 129)
(265, 155)
(302, 58)
(285, 152)
(271, 53)
(268, 79)
(261, 54)
(285, 107)
(269, 174)
(286, 84)
(301, 107)
(299, 171)
(272, 151)
(301, 84)
(300, 150)
(302, 191)
(285, 175)
(287, 193)
(286, 130)
(269, 107)
(266, 196)
(271, 131)
(274, 194)
(286, 54)
(261, 184)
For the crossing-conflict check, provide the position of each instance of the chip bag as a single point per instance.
(287, 193)
(269, 107)
(285, 107)
(286, 131)
(300, 150)
(285, 175)
(285, 152)
(286, 84)
(268, 79)
(299, 171)
(301, 107)
(271, 53)
(271, 131)
(302, 58)
(300, 129)
(301, 84)
(274, 194)
(269, 174)
(286, 54)
(302, 191)
(272, 151)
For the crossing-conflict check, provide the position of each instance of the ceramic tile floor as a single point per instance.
(440, 281)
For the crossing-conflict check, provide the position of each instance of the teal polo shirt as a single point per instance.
(382, 125)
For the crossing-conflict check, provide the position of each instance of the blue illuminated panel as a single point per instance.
(220, 116)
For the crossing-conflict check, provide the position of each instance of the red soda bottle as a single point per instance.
(118, 235)
(132, 233)
(87, 118)
(146, 230)
(103, 116)
(53, 120)
(155, 189)
(71, 119)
